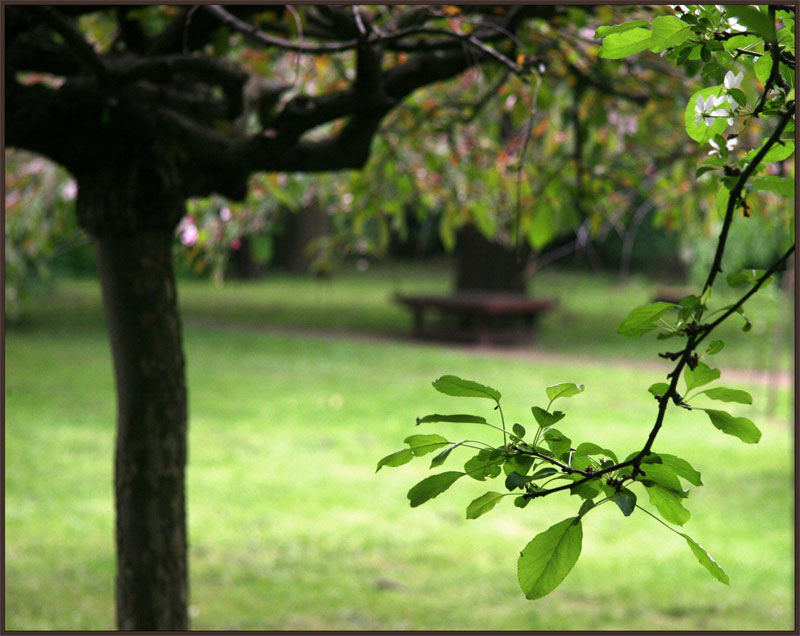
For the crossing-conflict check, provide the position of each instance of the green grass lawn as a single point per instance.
(290, 527)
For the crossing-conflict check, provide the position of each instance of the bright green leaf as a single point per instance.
(625, 43)
(700, 375)
(587, 448)
(452, 385)
(740, 427)
(549, 557)
(603, 31)
(545, 418)
(643, 319)
(779, 185)
(664, 476)
(432, 486)
(483, 504)
(729, 395)
(424, 444)
(668, 31)
(706, 560)
(668, 504)
(483, 465)
(682, 468)
(715, 347)
(397, 458)
(659, 388)
(762, 68)
(557, 441)
(565, 389)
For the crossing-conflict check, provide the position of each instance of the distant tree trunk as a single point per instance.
(241, 263)
(301, 229)
(488, 266)
(142, 312)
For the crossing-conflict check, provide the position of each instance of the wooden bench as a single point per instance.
(479, 317)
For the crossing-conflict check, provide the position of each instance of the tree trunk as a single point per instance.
(489, 266)
(142, 312)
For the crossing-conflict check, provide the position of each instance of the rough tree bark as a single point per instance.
(141, 307)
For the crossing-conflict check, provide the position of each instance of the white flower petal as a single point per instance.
(713, 144)
(698, 107)
(728, 81)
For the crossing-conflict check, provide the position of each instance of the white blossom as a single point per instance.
(730, 144)
(733, 81)
(706, 110)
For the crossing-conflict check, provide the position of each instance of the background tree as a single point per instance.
(148, 106)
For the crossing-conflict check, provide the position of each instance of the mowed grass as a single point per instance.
(290, 527)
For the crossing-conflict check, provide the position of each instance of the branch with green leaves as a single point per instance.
(697, 37)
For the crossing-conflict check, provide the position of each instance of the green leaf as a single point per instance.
(741, 42)
(603, 31)
(483, 465)
(397, 458)
(706, 560)
(668, 31)
(483, 504)
(545, 418)
(451, 385)
(700, 132)
(625, 43)
(700, 375)
(664, 476)
(779, 185)
(586, 490)
(780, 151)
(715, 347)
(754, 20)
(744, 277)
(519, 463)
(549, 557)
(432, 486)
(468, 419)
(547, 471)
(668, 504)
(441, 457)
(626, 501)
(565, 389)
(587, 448)
(643, 319)
(557, 441)
(738, 96)
(515, 480)
(682, 468)
(521, 501)
(586, 506)
(729, 395)
(659, 388)
(740, 427)
(424, 444)
(518, 430)
(762, 68)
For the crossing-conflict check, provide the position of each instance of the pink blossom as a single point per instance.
(69, 190)
(236, 244)
(189, 234)
(225, 214)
